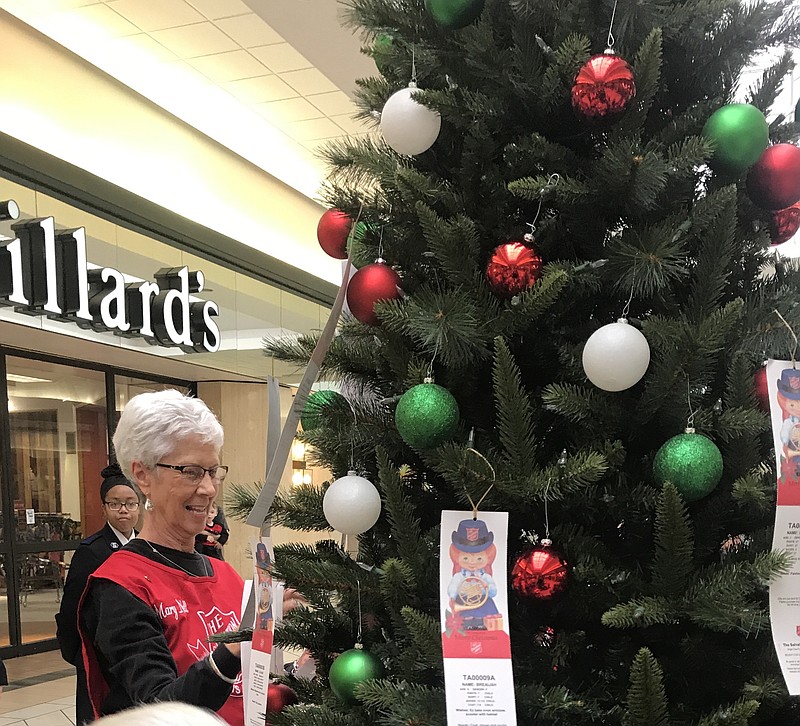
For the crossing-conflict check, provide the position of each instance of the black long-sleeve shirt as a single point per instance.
(133, 653)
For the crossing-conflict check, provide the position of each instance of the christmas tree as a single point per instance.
(565, 188)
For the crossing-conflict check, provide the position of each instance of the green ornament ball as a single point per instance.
(382, 49)
(691, 462)
(314, 410)
(426, 415)
(351, 668)
(454, 14)
(740, 134)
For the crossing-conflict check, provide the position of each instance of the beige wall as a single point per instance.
(242, 410)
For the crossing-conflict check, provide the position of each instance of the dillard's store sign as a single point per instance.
(44, 272)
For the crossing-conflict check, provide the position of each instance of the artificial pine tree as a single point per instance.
(665, 619)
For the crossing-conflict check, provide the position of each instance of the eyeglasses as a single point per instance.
(115, 506)
(195, 473)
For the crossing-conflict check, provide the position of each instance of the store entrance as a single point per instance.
(54, 439)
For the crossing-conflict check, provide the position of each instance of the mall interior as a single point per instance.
(171, 135)
(177, 134)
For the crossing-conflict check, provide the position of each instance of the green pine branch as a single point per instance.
(426, 636)
(642, 612)
(737, 714)
(674, 545)
(647, 700)
(515, 418)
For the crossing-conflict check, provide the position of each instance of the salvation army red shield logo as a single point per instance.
(472, 534)
(216, 621)
(797, 630)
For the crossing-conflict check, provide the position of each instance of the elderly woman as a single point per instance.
(148, 611)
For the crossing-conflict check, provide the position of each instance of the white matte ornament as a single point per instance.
(407, 126)
(352, 504)
(616, 356)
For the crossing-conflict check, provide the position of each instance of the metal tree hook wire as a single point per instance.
(690, 420)
(413, 82)
(552, 180)
(610, 40)
(794, 336)
(358, 637)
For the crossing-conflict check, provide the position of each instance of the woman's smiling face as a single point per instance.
(180, 505)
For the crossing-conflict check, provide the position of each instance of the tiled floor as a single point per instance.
(41, 692)
(45, 704)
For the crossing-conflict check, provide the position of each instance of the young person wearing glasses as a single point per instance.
(147, 613)
(121, 509)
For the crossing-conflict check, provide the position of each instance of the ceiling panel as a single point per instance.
(148, 15)
(309, 81)
(216, 9)
(191, 41)
(260, 89)
(248, 30)
(230, 66)
(280, 57)
(288, 110)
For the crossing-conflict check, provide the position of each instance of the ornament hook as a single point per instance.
(413, 83)
(358, 637)
(552, 180)
(610, 40)
(793, 334)
(690, 419)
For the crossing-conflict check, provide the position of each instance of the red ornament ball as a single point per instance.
(603, 87)
(783, 224)
(278, 697)
(760, 389)
(512, 269)
(774, 180)
(333, 230)
(371, 283)
(540, 573)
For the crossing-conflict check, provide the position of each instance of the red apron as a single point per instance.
(190, 609)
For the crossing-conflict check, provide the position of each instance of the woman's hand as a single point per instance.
(292, 599)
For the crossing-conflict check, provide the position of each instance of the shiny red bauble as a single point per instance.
(512, 269)
(774, 180)
(760, 389)
(333, 230)
(783, 224)
(371, 283)
(540, 573)
(603, 87)
(278, 697)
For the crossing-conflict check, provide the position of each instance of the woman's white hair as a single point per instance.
(154, 424)
(163, 714)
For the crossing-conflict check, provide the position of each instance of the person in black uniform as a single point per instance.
(121, 509)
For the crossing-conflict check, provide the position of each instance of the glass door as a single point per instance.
(58, 438)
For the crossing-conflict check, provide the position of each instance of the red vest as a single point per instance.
(190, 609)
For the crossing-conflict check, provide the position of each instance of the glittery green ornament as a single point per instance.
(314, 410)
(352, 667)
(426, 415)
(691, 462)
(454, 14)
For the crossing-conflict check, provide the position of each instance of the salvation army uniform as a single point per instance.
(91, 553)
(145, 622)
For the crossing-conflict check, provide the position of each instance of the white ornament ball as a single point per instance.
(352, 504)
(616, 356)
(409, 127)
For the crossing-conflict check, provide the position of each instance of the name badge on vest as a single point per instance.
(115, 546)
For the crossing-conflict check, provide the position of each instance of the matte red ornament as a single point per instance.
(603, 87)
(512, 269)
(540, 573)
(371, 283)
(333, 230)
(278, 697)
(774, 180)
(784, 224)
(760, 389)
